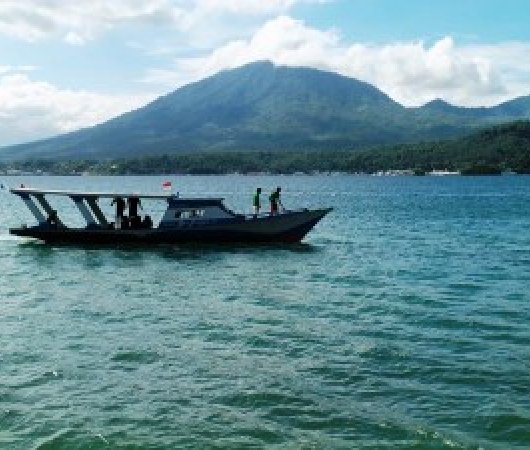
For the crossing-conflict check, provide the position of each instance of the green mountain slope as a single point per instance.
(502, 147)
(262, 107)
(513, 109)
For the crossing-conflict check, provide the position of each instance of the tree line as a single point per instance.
(499, 148)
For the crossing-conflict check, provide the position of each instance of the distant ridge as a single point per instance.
(263, 107)
(518, 108)
(490, 151)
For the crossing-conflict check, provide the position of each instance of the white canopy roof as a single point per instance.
(34, 191)
(85, 194)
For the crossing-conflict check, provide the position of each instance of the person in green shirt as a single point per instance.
(274, 198)
(256, 203)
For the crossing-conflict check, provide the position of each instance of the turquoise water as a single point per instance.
(402, 322)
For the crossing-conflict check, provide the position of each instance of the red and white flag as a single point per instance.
(166, 185)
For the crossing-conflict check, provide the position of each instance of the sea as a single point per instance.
(402, 321)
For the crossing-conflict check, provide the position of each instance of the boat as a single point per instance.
(185, 220)
(443, 173)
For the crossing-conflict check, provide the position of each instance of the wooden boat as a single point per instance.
(186, 220)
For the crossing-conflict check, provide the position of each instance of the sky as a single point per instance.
(65, 65)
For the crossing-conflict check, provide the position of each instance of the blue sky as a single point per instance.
(486, 21)
(66, 65)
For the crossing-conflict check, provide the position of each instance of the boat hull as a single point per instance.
(285, 227)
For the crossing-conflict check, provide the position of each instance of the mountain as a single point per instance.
(443, 110)
(500, 147)
(265, 107)
(518, 108)
(488, 151)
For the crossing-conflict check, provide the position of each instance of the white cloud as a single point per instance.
(8, 69)
(35, 109)
(410, 72)
(84, 20)
(509, 59)
(282, 40)
(413, 73)
(73, 38)
(247, 7)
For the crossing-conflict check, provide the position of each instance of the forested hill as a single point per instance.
(489, 151)
(262, 107)
(497, 148)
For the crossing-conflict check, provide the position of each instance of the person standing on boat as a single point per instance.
(120, 210)
(53, 219)
(275, 200)
(133, 203)
(256, 203)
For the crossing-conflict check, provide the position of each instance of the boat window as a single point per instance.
(189, 214)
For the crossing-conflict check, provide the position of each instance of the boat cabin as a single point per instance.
(188, 212)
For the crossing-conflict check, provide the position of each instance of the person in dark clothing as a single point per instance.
(274, 199)
(120, 210)
(134, 203)
(256, 202)
(53, 219)
(147, 222)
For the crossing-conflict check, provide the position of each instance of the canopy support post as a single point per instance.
(85, 212)
(92, 203)
(37, 213)
(47, 207)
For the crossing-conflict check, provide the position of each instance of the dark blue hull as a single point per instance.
(288, 227)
